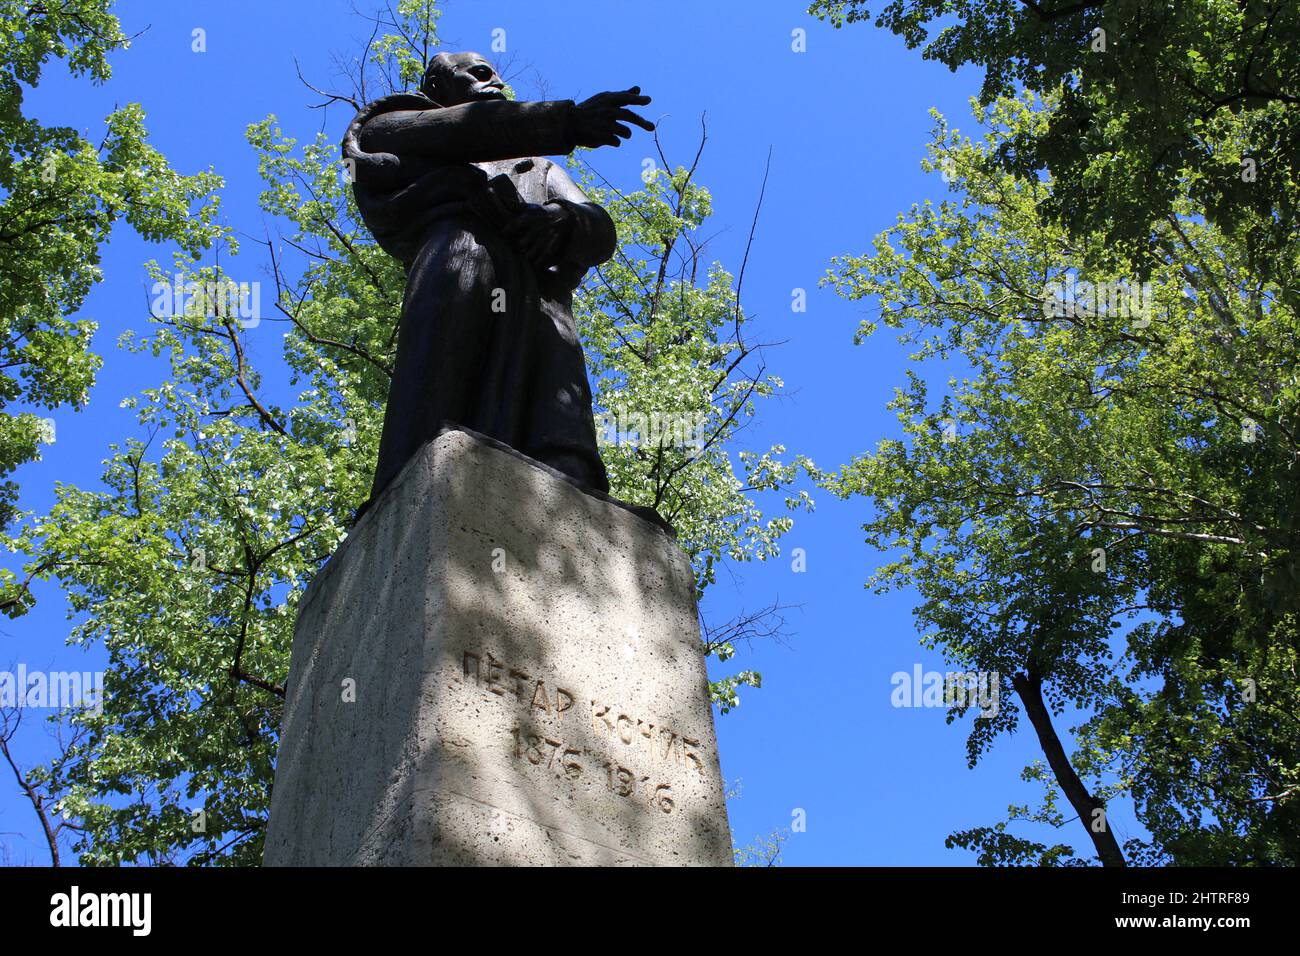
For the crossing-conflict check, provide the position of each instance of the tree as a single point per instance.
(35, 785)
(1152, 102)
(61, 195)
(1101, 508)
(188, 566)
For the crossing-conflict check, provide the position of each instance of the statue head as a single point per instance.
(455, 78)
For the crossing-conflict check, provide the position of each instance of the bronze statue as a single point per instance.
(494, 240)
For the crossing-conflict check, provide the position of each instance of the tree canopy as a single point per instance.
(1151, 103)
(1100, 505)
(60, 195)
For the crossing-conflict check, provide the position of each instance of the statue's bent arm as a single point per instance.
(592, 238)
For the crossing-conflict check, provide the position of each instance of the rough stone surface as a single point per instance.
(496, 668)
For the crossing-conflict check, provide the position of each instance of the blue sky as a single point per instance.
(847, 122)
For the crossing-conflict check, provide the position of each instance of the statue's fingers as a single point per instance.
(542, 256)
(641, 121)
(622, 131)
(547, 247)
(538, 243)
(528, 238)
(516, 229)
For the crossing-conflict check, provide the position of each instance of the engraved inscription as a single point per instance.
(484, 670)
(538, 750)
(660, 744)
(544, 739)
(572, 762)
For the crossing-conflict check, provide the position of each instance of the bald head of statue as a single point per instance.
(455, 78)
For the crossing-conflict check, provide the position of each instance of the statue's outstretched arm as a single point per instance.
(487, 130)
(477, 132)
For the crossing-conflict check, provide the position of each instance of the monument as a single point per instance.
(501, 665)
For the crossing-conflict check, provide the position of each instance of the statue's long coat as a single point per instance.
(486, 340)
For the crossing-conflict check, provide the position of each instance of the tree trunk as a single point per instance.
(1030, 689)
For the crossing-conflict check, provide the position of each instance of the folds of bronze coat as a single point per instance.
(487, 340)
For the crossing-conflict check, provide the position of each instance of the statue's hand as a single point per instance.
(539, 232)
(600, 121)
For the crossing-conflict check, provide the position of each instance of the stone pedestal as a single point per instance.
(498, 668)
